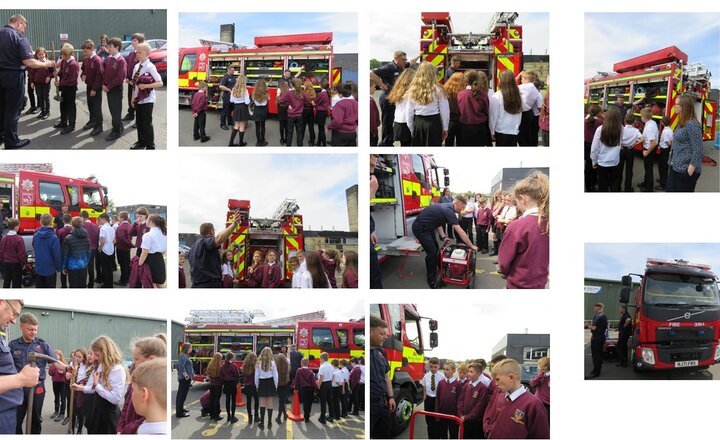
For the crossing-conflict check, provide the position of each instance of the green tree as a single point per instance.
(375, 63)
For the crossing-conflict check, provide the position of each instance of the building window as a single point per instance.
(534, 353)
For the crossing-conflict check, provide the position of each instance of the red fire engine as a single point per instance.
(341, 340)
(677, 316)
(405, 351)
(283, 233)
(655, 80)
(267, 60)
(407, 184)
(27, 195)
(497, 49)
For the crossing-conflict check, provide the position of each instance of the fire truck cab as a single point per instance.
(28, 194)
(677, 315)
(340, 340)
(407, 184)
(405, 352)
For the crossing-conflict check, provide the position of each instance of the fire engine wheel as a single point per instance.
(27, 281)
(403, 411)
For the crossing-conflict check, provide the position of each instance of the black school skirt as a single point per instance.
(261, 113)
(241, 112)
(156, 263)
(427, 130)
(267, 387)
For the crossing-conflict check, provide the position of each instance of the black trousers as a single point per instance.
(482, 237)
(525, 133)
(535, 130)
(622, 348)
(474, 135)
(283, 120)
(627, 157)
(355, 399)
(226, 113)
(296, 123)
(505, 140)
(145, 131)
(182, 392)
(649, 172)
(387, 119)
(68, 108)
(130, 109)
(608, 178)
(380, 421)
(48, 282)
(77, 278)
(429, 243)
(12, 91)
(473, 428)
(59, 392)
(448, 429)
(114, 100)
(230, 391)
(320, 118)
(681, 182)
(215, 393)
(124, 263)
(467, 225)
(306, 395)
(95, 107)
(663, 165)
(43, 95)
(251, 394)
(31, 94)
(325, 399)
(12, 275)
(345, 399)
(336, 396)
(341, 139)
(199, 125)
(260, 131)
(429, 405)
(106, 263)
(596, 348)
(308, 120)
(38, 400)
(454, 132)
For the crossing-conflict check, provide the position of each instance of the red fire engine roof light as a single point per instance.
(677, 262)
(665, 55)
(294, 39)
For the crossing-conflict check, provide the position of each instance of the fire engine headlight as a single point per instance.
(648, 356)
(717, 353)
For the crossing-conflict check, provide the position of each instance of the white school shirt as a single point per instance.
(604, 155)
(515, 394)
(260, 374)
(666, 138)
(439, 376)
(335, 99)
(439, 105)
(226, 269)
(115, 226)
(500, 120)
(116, 379)
(531, 98)
(306, 281)
(650, 132)
(244, 99)
(154, 241)
(630, 136)
(108, 233)
(149, 68)
(472, 214)
(362, 373)
(450, 379)
(337, 378)
(346, 374)
(485, 380)
(260, 103)
(81, 371)
(326, 371)
(401, 116)
(152, 428)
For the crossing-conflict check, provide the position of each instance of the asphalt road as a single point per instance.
(195, 426)
(220, 137)
(611, 372)
(43, 136)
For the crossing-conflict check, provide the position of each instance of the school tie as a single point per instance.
(432, 382)
(447, 381)
(137, 74)
(508, 399)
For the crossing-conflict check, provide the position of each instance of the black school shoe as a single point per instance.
(112, 136)
(138, 146)
(60, 125)
(68, 129)
(128, 117)
(96, 131)
(204, 139)
(88, 126)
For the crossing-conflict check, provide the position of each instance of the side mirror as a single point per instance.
(311, 357)
(626, 280)
(433, 325)
(447, 180)
(433, 340)
(446, 171)
(624, 295)
(105, 200)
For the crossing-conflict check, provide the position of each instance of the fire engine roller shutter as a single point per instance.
(436, 55)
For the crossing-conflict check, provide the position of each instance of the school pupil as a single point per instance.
(226, 268)
(345, 398)
(216, 385)
(324, 384)
(350, 274)
(344, 119)
(41, 84)
(294, 99)
(398, 97)
(305, 382)
(593, 120)
(139, 228)
(199, 110)
(532, 101)
(67, 79)
(12, 255)
(143, 350)
(58, 385)
(314, 276)
(266, 382)
(428, 110)
(270, 275)
(260, 101)
(282, 89)
(544, 119)
(430, 382)
(92, 73)
(308, 114)
(106, 249)
(322, 106)
(473, 105)
(541, 383)
(666, 138)
(230, 377)
(102, 47)
(328, 259)
(182, 280)
(283, 388)
(79, 361)
(650, 141)
(295, 267)
(132, 60)
(255, 270)
(523, 415)
(506, 111)
(48, 258)
(447, 401)
(605, 151)
(454, 85)
(114, 71)
(149, 384)
(630, 137)
(153, 246)
(249, 389)
(337, 389)
(474, 402)
(525, 249)
(374, 117)
(145, 79)
(483, 224)
(62, 234)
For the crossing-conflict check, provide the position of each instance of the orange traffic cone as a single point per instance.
(239, 399)
(296, 415)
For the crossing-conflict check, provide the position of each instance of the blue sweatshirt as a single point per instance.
(46, 246)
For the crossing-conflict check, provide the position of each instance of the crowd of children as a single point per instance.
(614, 138)
(104, 71)
(490, 402)
(85, 253)
(463, 112)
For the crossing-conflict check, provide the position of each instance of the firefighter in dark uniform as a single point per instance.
(11, 382)
(598, 327)
(382, 401)
(226, 85)
(15, 55)
(624, 331)
(20, 348)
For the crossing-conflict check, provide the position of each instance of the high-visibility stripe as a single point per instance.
(183, 83)
(249, 54)
(407, 188)
(336, 76)
(425, 201)
(627, 78)
(292, 242)
(236, 330)
(505, 61)
(7, 179)
(393, 200)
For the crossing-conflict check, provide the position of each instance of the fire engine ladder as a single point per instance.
(224, 316)
(286, 208)
(502, 19)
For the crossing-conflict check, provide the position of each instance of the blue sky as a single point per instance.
(401, 31)
(316, 181)
(613, 37)
(344, 26)
(613, 260)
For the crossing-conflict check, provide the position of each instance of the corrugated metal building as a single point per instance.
(46, 25)
(507, 177)
(68, 329)
(176, 338)
(607, 292)
(349, 64)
